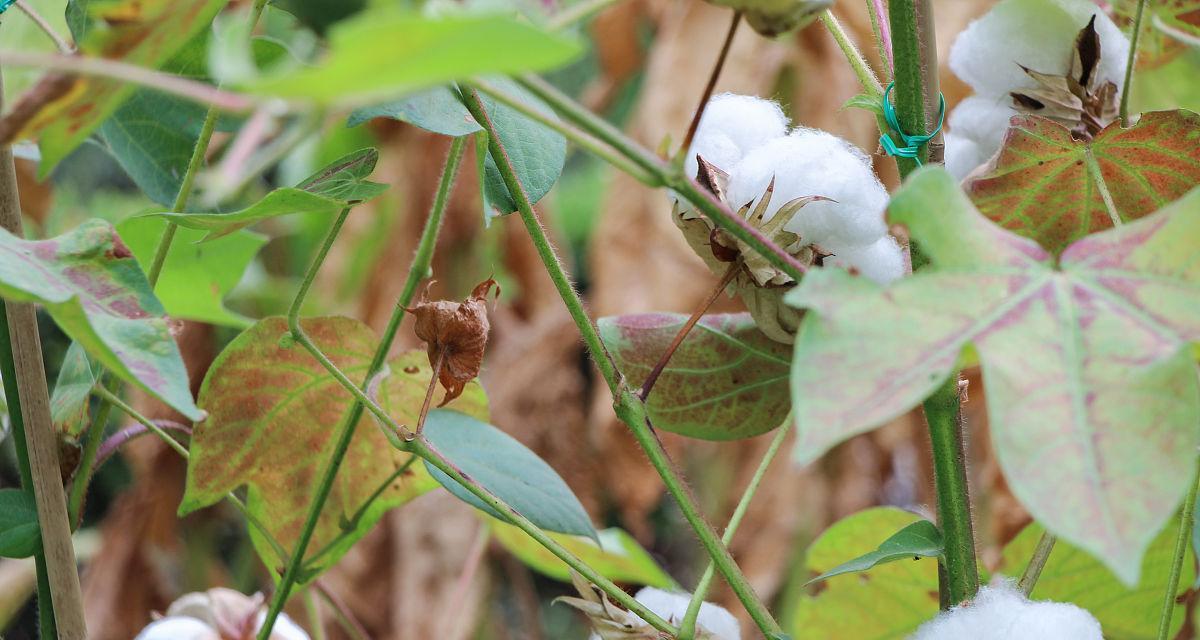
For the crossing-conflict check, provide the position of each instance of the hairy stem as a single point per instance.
(943, 415)
(687, 628)
(862, 70)
(1134, 35)
(1033, 570)
(713, 76)
(87, 461)
(629, 408)
(423, 448)
(882, 33)
(1187, 522)
(44, 25)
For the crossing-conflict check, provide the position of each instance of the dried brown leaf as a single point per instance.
(455, 335)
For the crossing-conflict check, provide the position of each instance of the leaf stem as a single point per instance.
(349, 623)
(713, 76)
(1187, 522)
(687, 628)
(87, 461)
(1134, 37)
(943, 415)
(862, 70)
(433, 380)
(1033, 570)
(423, 448)
(882, 32)
(629, 408)
(44, 25)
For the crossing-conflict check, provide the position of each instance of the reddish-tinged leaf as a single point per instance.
(1048, 186)
(726, 381)
(1092, 391)
(274, 414)
(455, 334)
(88, 281)
(145, 33)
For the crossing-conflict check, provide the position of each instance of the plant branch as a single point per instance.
(1187, 522)
(713, 76)
(351, 624)
(687, 628)
(882, 32)
(1134, 37)
(862, 70)
(1033, 570)
(87, 461)
(113, 443)
(943, 416)
(629, 408)
(428, 452)
(44, 25)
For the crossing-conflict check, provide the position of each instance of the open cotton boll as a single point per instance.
(1039, 34)
(881, 261)
(712, 623)
(732, 126)
(975, 131)
(179, 628)
(1003, 613)
(815, 163)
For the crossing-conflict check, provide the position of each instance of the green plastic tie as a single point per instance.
(912, 144)
(5, 4)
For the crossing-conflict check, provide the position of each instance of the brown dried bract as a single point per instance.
(455, 333)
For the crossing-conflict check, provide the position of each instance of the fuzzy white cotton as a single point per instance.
(881, 261)
(1001, 612)
(178, 628)
(718, 623)
(809, 162)
(732, 126)
(1039, 34)
(202, 615)
(976, 130)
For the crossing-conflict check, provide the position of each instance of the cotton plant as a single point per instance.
(1061, 59)
(1001, 612)
(610, 622)
(218, 614)
(811, 192)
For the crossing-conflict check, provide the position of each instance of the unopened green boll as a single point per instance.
(776, 17)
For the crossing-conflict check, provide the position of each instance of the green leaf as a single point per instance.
(536, 151)
(617, 557)
(1092, 393)
(1044, 183)
(1178, 18)
(920, 539)
(382, 54)
(726, 381)
(196, 277)
(1072, 575)
(335, 187)
(508, 469)
(142, 33)
(20, 535)
(69, 402)
(319, 15)
(274, 415)
(889, 603)
(90, 284)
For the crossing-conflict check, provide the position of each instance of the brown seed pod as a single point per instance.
(455, 335)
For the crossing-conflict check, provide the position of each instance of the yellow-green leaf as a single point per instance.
(618, 557)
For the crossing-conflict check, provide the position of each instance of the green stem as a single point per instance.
(628, 405)
(913, 82)
(8, 375)
(1187, 522)
(687, 628)
(87, 461)
(313, 609)
(416, 273)
(352, 522)
(426, 450)
(1033, 571)
(943, 414)
(1134, 37)
(862, 70)
(185, 194)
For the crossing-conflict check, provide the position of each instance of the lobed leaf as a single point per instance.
(1050, 187)
(274, 414)
(335, 187)
(72, 392)
(727, 380)
(89, 283)
(20, 535)
(617, 557)
(1092, 392)
(508, 469)
(920, 539)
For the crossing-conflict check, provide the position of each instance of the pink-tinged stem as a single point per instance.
(885, 31)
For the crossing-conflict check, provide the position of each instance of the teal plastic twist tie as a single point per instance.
(912, 144)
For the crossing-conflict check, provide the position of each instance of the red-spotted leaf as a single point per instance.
(1179, 19)
(274, 414)
(726, 381)
(1050, 187)
(145, 33)
(88, 281)
(1092, 392)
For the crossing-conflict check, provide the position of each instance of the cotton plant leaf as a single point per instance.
(341, 184)
(145, 33)
(72, 391)
(727, 380)
(1072, 575)
(888, 603)
(89, 283)
(1088, 361)
(20, 535)
(274, 416)
(920, 539)
(617, 556)
(1049, 186)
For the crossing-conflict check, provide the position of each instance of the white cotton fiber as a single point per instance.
(1039, 34)
(976, 129)
(732, 126)
(815, 163)
(181, 628)
(881, 261)
(714, 621)
(1002, 613)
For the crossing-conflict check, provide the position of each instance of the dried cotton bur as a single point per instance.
(808, 191)
(455, 336)
(610, 622)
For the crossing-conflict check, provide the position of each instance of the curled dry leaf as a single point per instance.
(455, 335)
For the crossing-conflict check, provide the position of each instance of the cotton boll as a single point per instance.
(712, 620)
(1003, 613)
(881, 261)
(284, 629)
(815, 163)
(975, 131)
(1039, 34)
(732, 126)
(178, 628)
